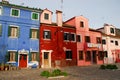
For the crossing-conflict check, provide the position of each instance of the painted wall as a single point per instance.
(25, 23)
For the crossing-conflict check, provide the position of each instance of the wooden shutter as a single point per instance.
(30, 57)
(30, 33)
(9, 31)
(0, 30)
(38, 33)
(16, 56)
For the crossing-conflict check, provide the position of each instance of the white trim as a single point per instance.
(50, 51)
(35, 13)
(1, 10)
(12, 50)
(33, 51)
(34, 28)
(15, 9)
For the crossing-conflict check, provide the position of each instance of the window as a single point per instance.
(15, 12)
(103, 41)
(88, 56)
(66, 36)
(0, 30)
(12, 56)
(72, 37)
(47, 35)
(0, 10)
(34, 33)
(100, 55)
(87, 38)
(105, 54)
(80, 55)
(13, 31)
(116, 43)
(98, 39)
(78, 38)
(35, 16)
(112, 30)
(46, 16)
(68, 54)
(112, 41)
(33, 56)
(81, 24)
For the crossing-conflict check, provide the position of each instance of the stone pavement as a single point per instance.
(75, 73)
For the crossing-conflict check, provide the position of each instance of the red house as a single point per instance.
(58, 46)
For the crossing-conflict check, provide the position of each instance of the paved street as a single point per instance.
(75, 73)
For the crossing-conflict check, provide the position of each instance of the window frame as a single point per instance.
(17, 32)
(104, 41)
(82, 24)
(46, 16)
(87, 40)
(100, 55)
(70, 54)
(32, 15)
(70, 35)
(14, 15)
(33, 56)
(1, 10)
(37, 33)
(79, 39)
(87, 57)
(116, 43)
(98, 40)
(45, 38)
(81, 56)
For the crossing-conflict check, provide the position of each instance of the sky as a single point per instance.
(97, 12)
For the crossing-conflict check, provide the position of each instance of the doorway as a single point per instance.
(94, 57)
(23, 61)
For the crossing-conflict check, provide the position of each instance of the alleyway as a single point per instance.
(75, 73)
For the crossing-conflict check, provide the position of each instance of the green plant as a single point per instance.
(64, 73)
(102, 67)
(45, 73)
(56, 72)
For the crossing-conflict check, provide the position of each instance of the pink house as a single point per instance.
(89, 46)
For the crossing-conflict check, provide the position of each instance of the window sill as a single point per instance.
(47, 39)
(12, 37)
(11, 62)
(34, 38)
(69, 59)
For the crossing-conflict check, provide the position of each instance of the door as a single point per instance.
(46, 60)
(23, 60)
(94, 57)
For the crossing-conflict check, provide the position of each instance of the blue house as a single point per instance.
(19, 35)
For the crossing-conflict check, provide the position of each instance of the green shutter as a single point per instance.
(16, 12)
(9, 31)
(16, 56)
(0, 30)
(36, 16)
(30, 33)
(38, 34)
(30, 58)
(18, 32)
(33, 15)
(7, 56)
(13, 12)
(37, 56)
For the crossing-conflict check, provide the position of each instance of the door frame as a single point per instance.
(25, 52)
(49, 55)
(94, 57)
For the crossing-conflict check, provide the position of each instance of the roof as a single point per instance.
(90, 29)
(64, 25)
(5, 3)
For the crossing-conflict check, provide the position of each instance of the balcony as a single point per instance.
(91, 45)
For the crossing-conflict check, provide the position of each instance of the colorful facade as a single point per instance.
(19, 30)
(111, 42)
(57, 42)
(89, 46)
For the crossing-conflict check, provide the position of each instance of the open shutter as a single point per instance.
(30, 33)
(16, 56)
(18, 32)
(38, 34)
(9, 31)
(30, 58)
(37, 56)
(0, 30)
(7, 56)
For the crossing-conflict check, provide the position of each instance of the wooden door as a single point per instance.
(23, 61)
(46, 60)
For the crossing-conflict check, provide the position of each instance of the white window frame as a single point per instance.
(43, 35)
(74, 37)
(68, 50)
(11, 26)
(63, 36)
(15, 9)
(36, 13)
(1, 10)
(14, 55)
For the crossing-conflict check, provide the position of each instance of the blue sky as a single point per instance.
(97, 11)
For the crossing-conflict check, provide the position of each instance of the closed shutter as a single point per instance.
(30, 33)
(18, 32)
(38, 34)
(7, 56)
(0, 30)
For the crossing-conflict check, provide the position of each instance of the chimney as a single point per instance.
(59, 17)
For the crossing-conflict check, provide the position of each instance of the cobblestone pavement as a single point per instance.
(75, 73)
